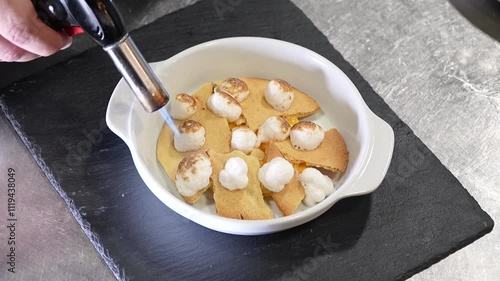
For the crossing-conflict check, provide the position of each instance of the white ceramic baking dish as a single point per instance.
(369, 139)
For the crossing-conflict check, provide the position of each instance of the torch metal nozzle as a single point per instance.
(138, 74)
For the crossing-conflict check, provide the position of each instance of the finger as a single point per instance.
(68, 43)
(10, 52)
(21, 26)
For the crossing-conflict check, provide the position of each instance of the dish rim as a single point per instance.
(216, 222)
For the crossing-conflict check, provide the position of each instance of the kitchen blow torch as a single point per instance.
(101, 20)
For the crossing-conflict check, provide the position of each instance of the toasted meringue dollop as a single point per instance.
(306, 135)
(279, 94)
(224, 105)
(275, 174)
(235, 174)
(235, 87)
(193, 174)
(244, 140)
(274, 128)
(316, 186)
(191, 136)
(183, 106)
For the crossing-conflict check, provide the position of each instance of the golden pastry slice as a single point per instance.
(290, 197)
(217, 137)
(259, 154)
(256, 110)
(247, 203)
(332, 153)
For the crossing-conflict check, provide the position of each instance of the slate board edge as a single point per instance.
(436, 259)
(84, 225)
(94, 238)
(113, 266)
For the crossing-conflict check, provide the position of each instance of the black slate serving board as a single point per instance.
(419, 214)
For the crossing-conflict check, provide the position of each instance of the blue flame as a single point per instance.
(168, 119)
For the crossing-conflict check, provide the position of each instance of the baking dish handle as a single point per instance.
(378, 161)
(122, 104)
(118, 111)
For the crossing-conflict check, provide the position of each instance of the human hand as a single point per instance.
(24, 37)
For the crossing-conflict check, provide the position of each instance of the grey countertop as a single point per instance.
(429, 60)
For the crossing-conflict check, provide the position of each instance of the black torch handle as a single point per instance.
(98, 18)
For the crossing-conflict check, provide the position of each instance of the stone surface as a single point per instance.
(434, 68)
(50, 245)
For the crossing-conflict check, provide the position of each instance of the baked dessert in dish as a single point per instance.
(241, 141)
